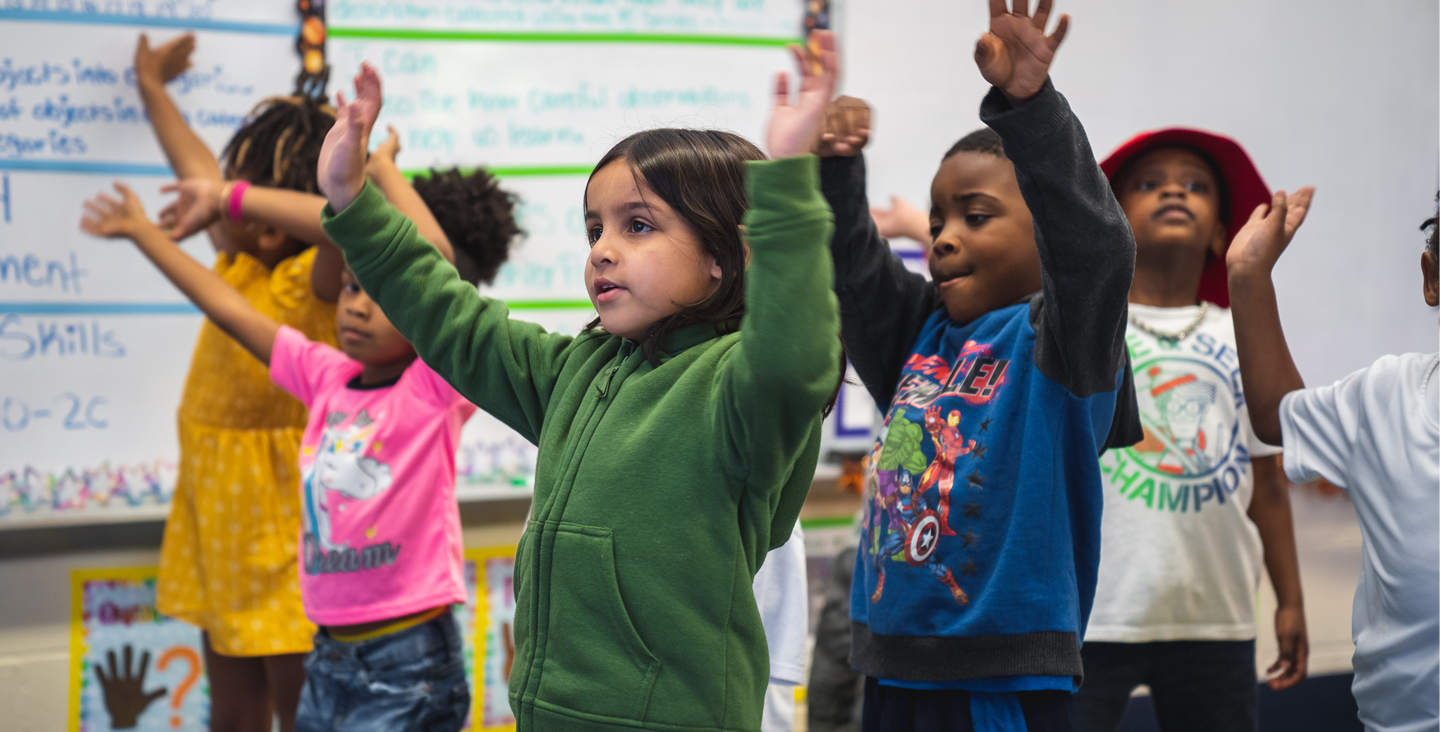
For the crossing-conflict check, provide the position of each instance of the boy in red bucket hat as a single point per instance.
(1192, 509)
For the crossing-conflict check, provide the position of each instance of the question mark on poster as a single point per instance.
(192, 659)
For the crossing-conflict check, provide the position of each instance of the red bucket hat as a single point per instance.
(1243, 185)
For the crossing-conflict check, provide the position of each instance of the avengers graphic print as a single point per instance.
(927, 466)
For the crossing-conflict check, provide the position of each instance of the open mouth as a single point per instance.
(606, 290)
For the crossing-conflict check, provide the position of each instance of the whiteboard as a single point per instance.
(95, 343)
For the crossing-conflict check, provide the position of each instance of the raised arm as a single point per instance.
(787, 365)
(1266, 368)
(200, 202)
(381, 169)
(789, 354)
(223, 304)
(154, 68)
(505, 367)
(883, 304)
(1087, 251)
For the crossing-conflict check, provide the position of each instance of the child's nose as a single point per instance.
(945, 244)
(603, 251)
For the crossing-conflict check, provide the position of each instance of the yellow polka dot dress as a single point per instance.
(228, 560)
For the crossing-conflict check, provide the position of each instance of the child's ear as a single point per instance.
(1432, 282)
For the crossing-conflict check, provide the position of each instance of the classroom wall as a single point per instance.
(1332, 93)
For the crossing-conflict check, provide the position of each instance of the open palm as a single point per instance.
(1015, 54)
(342, 157)
(1261, 241)
(795, 128)
(196, 206)
(114, 218)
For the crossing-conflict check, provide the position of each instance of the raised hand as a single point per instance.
(1261, 241)
(386, 152)
(342, 157)
(198, 205)
(902, 219)
(795, 129)
(114, 219)
(1015, 54)
(124, 691)
(164, 62)
(847, 128)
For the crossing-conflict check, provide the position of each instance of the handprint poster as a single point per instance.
(131, 667)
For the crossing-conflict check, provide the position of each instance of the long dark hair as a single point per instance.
(700, 174)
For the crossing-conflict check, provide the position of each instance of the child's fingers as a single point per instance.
(1061, 29)
(1300, 203)
(1021, 8)
(801, 54)
(1042, 14)
(782, 89)
(997, 8)
(1258, 215)
(986, 49)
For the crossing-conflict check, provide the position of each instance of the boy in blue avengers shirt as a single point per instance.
(1005, 376)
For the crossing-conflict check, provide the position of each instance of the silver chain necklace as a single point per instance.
(1176, 336)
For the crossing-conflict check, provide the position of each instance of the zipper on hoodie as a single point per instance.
(604, 386)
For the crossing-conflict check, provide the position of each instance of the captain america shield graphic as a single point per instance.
(924, 537)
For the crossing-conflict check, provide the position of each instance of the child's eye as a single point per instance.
(1197, 187)
(592, 235)
(351, 288)
(973, 220)
(935, 228)
(639, 227)
(1147, 185)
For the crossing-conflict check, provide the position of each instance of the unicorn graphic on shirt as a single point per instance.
(342, 466)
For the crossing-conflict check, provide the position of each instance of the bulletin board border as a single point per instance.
(482, 620)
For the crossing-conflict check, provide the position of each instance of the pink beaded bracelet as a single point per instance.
(237, 195)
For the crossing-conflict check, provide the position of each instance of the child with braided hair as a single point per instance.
(228, 558)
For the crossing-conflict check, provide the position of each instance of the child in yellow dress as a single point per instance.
(228, 559)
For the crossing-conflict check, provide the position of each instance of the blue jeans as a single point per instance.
(410, 680)
(1196, 686)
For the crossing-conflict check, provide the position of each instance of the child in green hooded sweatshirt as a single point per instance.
(677, 435)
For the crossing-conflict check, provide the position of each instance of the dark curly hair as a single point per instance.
(477, 216)
(278, 144)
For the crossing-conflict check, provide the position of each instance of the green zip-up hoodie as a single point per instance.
(659, 490)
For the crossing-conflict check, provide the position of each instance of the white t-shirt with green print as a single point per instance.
(1179, 558)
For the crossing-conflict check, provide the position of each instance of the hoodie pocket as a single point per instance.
(595, 661)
